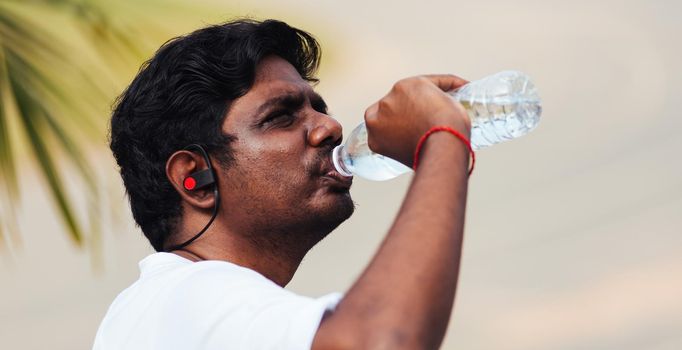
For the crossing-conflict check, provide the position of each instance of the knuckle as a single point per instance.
(402, 84)
(369, 115)
(370, 122)
(422, 79)
(383, 106)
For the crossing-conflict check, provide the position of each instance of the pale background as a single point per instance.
(573, 233)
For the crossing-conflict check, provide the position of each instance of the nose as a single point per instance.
(325, 130)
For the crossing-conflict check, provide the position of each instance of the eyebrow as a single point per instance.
(292, 100)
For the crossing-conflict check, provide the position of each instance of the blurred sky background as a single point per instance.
(573, 233)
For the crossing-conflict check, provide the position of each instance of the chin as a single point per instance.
(343, 209)
(338, 206)
(328, 217)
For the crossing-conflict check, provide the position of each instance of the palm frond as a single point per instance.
(34, 122)
(7, 165)
(30, 98)
(8, 177)
(55, 81)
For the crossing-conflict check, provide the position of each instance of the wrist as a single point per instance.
(447, 143)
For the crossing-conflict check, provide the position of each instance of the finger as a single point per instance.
(446, 82)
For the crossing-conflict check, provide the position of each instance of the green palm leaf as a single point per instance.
(32, 94)
(48, 102)
(61, 62)
(33, 119)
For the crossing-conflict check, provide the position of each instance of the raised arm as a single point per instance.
(404, 298)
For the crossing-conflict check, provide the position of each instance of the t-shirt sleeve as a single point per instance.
(243, 313)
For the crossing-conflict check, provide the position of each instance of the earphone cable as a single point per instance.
(216, 195)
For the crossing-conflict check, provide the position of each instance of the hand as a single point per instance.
(413, 106)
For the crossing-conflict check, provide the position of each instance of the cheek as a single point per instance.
(276, 166)
(272, 174)
(273, 167)
(272, 152)
(279, 153)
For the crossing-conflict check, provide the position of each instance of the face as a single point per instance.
(282, 181)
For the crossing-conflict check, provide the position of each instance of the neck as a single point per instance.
(274, 254)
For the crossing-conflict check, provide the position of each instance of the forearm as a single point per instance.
(404, 297)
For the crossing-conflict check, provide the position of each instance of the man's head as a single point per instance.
(242, 90)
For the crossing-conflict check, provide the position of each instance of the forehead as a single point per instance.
(274, 77)
(274, 68)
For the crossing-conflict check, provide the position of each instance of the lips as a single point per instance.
(340, 180)
(328, 172)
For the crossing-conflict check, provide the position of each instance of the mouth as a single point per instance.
(331, 176)
(337, 180)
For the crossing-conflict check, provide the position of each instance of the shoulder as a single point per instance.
(179, 304)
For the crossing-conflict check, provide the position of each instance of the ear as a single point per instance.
(179, 167)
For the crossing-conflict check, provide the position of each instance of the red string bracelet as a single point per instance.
(457, 134)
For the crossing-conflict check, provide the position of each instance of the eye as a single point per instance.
(280, 119)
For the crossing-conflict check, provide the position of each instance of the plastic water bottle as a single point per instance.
(501, 107)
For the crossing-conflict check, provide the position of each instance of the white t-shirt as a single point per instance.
(180, 304)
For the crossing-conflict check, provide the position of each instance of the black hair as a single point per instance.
(181, 96)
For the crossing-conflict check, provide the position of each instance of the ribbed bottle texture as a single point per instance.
(501, 107)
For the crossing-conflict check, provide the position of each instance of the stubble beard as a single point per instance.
(293, 234)
(292, 230)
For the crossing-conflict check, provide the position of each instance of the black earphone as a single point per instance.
(195, 181)
(198, 180)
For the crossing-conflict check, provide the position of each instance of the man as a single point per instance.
(223, 147)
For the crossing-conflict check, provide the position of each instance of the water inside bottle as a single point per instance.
(374, 166)
(493, 123)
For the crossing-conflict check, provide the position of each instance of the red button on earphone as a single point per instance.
(190, 183)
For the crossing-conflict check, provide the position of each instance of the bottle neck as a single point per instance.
(337, 160)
